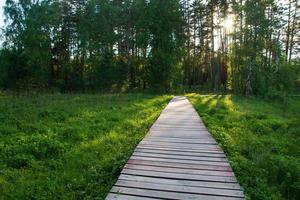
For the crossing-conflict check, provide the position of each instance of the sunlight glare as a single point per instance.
(228, 23)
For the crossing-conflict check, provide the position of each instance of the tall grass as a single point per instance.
(70, 146)
(261, 139)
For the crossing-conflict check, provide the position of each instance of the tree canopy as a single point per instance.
(246, 46)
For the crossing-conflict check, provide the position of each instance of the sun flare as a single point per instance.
(228, 23)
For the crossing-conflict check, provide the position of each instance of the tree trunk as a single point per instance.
(287, 44)
(293, 33)
(212, 53)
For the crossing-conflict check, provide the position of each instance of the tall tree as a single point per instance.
(166, 40)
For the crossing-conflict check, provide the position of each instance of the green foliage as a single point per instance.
(13, 68)
(70, 146)
(28, 40)
(115, 74)
(165, 23)
(260, 138)
(162, 45)
(99, 45)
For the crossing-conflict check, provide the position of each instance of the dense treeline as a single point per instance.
(247, 46)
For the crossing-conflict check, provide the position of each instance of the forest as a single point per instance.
(82, 82)
(248, 47)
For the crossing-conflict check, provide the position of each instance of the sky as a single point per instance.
(2, 2)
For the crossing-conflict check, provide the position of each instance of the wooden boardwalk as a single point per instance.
(178, 159)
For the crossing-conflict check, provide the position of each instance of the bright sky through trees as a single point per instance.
(228, 23)
(2, 2)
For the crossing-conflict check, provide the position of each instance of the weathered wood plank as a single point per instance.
(182, 161)
(180, 165)
(168, 195)
(205, 137)
(203, 150)
(182, 153)
(179, 132)
(112, 196)
(184, 126)
(180, 188)
(182, 139)
(210, 148)
(195, 177)
(182, 145)
(184, 157)
(199, 147)
(177, 143)
(203, 141)
(160, 128)
(178, 170)
(176, 135)
(201, 184)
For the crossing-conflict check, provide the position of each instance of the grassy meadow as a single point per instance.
(70, 146)
(74, 146)
(261, 139)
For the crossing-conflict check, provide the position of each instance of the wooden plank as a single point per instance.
(176, 135)
(194, 177)
(160, 128)
(180, 188)
(201, 184)
(188, 132)
(179, 165)
(203, 150)
(177, 119)
(181, 161)
(184, 126)
(165, 125)
(179, 170)
(182, 139)
(181, 157)
(112, 196)
(193, 146)
(168, 195)
(183, 153)
(179, 122)
(179, 132)
(203, 141)
(211, 147)
(196, 144)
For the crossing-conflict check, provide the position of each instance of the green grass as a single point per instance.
(74, 146)
(70, 146)
(261, 139)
